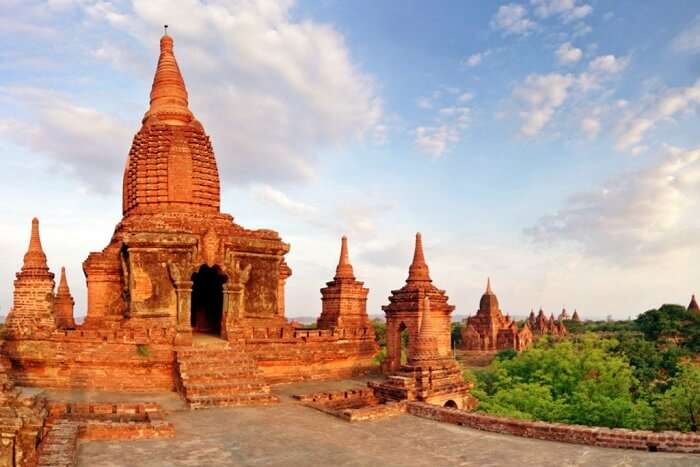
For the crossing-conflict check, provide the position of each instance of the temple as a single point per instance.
(489, 330)
(693, 305)
(344, 298)
(542, 326)
(182, 297)
(430, 373)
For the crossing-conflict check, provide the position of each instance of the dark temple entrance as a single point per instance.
(207, 300)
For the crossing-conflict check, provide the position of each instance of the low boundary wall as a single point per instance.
(667, 441)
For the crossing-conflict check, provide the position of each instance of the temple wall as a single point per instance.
(669, 441)
(84, 360)
(143, 359)
(313, 354)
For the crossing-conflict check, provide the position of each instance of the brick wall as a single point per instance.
(668, 441)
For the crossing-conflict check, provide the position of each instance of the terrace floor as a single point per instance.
(290, 434)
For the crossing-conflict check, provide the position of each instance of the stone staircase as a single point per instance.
(220, 375)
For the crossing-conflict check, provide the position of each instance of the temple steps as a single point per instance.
(221, 376)
(201, 402)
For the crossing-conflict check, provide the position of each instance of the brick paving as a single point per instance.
(290, 434)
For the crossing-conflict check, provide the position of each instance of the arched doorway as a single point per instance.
(450, 404)
(207, 300)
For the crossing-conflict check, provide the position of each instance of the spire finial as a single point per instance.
(63, 282)
(168, 94)
(35, 259)
(344, 269)
(165, 29)
(418, 271)
(488, 285)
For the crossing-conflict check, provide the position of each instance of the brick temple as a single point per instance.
(182, 297)
(490, 330)
(430, 373)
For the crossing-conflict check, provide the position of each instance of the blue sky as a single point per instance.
(548, 144)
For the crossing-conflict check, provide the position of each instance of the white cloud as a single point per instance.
(269, 194)
(688, 40)
(424, 103)
(590, 126)
(465, 97)
(271, 90)
(568, 10)
(474, 59)
(512, 19)
(435, 140)
(636, 124)
(541, 95)
(635, 217)
(91, 144)
(608, 64)
(568, 54)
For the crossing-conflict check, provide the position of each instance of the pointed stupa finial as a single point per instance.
(63, 304)
(169, 101)
(344, 269)
(693, 306)
(488, 286)
(426, 344)
(35, 259)
(418, 271)
(63, 283)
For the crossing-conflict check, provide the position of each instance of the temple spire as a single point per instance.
(63, 304)
(344, 269)
(169, 100)
(693, 306)
(426, 343)
(418, 271)
(488, 286)
(63, 284)
(35, 259)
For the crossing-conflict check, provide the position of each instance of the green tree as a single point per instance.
(679, 407)
(379, 332)
(666, 322)
(456, 334)
(578, 380)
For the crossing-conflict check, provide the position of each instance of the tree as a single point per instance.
(456, 334)
(666, 322)
(679, 407)
(580, 381)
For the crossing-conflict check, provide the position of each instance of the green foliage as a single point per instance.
(668, 322)
(380, 357)
(606, 327)
(653, 365)
(506, 354)
(679, 407)
(379, 332)
(577, 381)
(456, 334)
(143, 351)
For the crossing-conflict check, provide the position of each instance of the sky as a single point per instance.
(550, 145)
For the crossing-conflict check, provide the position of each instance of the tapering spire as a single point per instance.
(63, 304)
(418, 271)
(488, 286)
(35, 259)
(693, 306)
(63, 284)
(169, 100)
(344, 269)
(426, 341)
